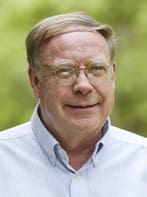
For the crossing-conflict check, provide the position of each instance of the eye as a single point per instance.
(97, 69)
(64, 71)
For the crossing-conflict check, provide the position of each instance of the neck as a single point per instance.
(79, 157)
(79, 151)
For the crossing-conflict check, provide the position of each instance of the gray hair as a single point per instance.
(64, 23)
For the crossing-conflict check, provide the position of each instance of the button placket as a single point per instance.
(78, 186)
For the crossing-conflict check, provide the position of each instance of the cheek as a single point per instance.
(106, 87)
(52, 92)
(110, 94)
(106, 91)
(47, 92)
(110, 89)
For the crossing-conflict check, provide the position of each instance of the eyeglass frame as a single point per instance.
(53, 68)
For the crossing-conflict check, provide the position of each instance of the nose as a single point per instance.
(82, 84)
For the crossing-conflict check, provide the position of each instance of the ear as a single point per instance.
(35, 83)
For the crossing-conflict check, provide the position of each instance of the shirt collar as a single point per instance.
(44, 137)
(101, 143)
(49, 143)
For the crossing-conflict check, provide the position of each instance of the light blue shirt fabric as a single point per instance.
(32, 164)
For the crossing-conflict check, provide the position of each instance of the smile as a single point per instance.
(82, 106)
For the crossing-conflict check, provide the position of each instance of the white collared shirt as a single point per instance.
(32, 164)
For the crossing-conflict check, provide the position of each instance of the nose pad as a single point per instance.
(82, 77)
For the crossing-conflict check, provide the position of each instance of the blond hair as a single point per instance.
(63, 23)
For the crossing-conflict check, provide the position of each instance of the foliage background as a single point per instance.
(128, 18)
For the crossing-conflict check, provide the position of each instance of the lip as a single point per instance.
(82, 106)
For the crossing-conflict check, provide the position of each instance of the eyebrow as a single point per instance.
(96, 60)
(69, 61)
(59, 62)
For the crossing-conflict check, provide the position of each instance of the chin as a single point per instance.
(86, 124)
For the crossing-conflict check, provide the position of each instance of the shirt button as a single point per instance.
(77, 175)
(53, 161)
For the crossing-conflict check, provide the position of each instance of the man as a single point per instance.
(69, 147)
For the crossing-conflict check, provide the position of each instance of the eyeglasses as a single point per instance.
(68, 73)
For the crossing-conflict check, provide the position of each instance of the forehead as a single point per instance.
(76, 46)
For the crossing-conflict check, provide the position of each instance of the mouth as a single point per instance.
(82, 106)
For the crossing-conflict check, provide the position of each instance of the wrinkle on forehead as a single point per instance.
(68, 39)
(74, 45)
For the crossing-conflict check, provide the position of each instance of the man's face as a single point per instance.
(80, 106)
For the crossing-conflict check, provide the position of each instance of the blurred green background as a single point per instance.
(129, 20)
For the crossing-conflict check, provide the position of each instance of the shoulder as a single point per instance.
(127, 137)
(16, 132)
